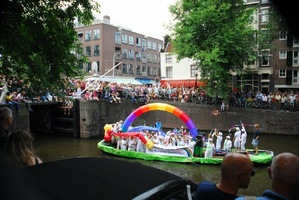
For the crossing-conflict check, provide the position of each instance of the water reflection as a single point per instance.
(51, 148)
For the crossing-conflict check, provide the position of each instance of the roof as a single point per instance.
(90, 178)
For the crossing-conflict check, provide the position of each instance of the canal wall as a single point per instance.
(91, 117)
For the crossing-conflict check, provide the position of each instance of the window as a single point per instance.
(149, 58)
(143, 45)
(149, 71)
(295, 42)
(143, 59)
(168, 58)
(282, 35)
(159, 47)
(149, 44)
(264, 16)
(131, 69)
(168, 72)
(87, 35)
(282, 73)
(96, 34)
(117, 37)
(282, 54)
(138, 56)
(138, 70)
(154, 46)
(125, 53)
(143, 73)
(88, 50)
(124, 38)
(296, 77)
(265, 58)
(96, 50)
(154, 58)
(265, 1)
(131, 54)
(88, 67)
(154, 71)
(131, 40)
(80, 37)
(138, 42)
(124, 68)
(194, 71)
(295, 58)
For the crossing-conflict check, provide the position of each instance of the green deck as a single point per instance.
(263, 157)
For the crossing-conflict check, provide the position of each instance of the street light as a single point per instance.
(196, 80)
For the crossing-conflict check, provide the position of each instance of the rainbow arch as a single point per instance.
(164, 107)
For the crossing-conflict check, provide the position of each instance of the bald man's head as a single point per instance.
(285, 168)
(235, 163)
(238, 167)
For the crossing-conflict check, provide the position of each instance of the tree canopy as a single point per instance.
(38, 41)
(218, 34)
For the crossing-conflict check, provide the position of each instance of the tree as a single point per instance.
(216, 33)
(38, 41)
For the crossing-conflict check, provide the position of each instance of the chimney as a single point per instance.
(106, 19)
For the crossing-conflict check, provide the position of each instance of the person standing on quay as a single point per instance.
(256, 138)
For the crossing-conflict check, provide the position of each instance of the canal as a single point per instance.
(54, 147)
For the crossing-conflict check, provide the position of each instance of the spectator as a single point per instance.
(285, 178)
(236, 172)
(10, 101)
(20, 152)
(6, 120)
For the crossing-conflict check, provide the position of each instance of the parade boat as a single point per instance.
(181, 154)
(191, 153)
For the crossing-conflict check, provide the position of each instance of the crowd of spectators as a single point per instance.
(143, 94)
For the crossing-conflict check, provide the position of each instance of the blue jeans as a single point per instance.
(11, 103)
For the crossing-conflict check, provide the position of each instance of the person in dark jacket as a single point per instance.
(6, 120)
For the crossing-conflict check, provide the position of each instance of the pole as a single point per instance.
(101, 77)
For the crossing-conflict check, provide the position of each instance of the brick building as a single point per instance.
(107, 45)
(276, 68)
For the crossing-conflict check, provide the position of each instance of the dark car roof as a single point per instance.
(96, 178)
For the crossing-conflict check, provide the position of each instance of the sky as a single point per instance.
(146, 17)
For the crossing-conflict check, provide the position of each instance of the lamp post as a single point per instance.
(196, 80)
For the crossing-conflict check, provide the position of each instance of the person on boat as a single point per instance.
(158, 124)
(180, 141)
(237, 136)
(218, 140)
(124, 143)
(243, 138)
(236, 172)
(209, 149)
(140, 147)
(227, 145)
(256, 138)
(132, 143)
(285, 178)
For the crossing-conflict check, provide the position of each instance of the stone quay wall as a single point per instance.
(93, 115)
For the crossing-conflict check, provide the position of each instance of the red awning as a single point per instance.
(186, 83)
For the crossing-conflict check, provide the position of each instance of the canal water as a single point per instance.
(56, 147)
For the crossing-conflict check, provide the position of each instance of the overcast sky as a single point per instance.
(146, 17)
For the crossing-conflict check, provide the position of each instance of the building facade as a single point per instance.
(277, 67)
(135, 55)
(178, 72)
